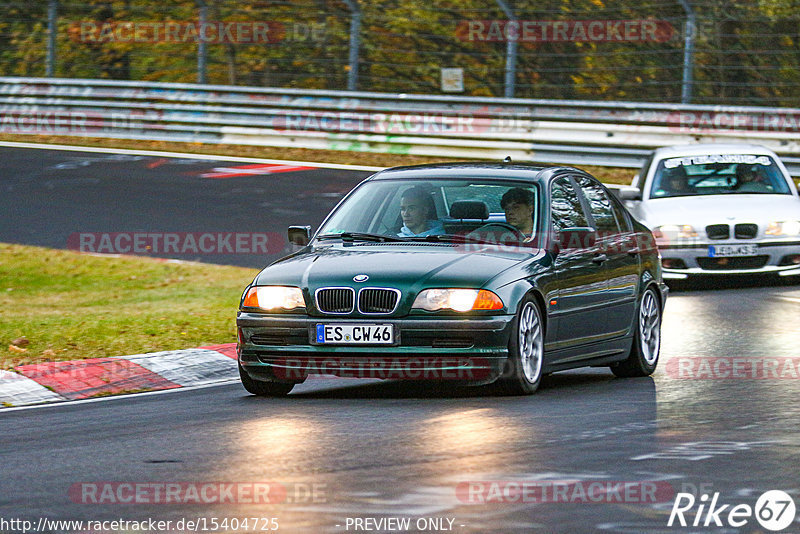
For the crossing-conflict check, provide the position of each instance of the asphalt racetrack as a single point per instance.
(62, 199)
(717, 423)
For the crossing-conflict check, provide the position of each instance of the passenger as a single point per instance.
(518, 205)
(675, 182)
(749, 179)
(419, 213)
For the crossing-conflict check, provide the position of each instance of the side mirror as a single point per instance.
(578, 237)
(630, 193)
(299, 235)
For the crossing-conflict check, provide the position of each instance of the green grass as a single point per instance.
(80, 306)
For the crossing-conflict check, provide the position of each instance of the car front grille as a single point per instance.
(378, 300)
(718, 231)
(745, 231)
(732, 263)
(335, 299)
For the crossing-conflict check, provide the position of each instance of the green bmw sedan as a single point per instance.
(483, 274)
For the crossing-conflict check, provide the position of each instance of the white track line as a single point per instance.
(119, 397)
(211, 157)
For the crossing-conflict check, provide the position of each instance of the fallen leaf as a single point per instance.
(14, 348)
(48, 352)
(20, 341)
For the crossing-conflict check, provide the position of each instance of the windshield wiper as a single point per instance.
(449, 238)
(360, 236)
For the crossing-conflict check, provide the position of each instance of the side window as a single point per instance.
(565, 206)
(621, 215)
(600, 206)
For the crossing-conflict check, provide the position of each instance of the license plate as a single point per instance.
(355, 334)
(725, 251)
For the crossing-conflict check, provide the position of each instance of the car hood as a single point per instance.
(405, 267)
(714, 209)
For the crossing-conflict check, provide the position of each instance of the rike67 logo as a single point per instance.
(774, 511)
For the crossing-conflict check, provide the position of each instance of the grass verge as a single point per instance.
(72, 306)
(612, 175)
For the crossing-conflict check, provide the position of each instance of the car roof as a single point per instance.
(489, 170)
(699, 149)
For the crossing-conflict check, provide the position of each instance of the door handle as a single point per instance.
(599, 259)
(633, 251)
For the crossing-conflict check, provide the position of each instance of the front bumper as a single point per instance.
(470, 349)
(770, 258)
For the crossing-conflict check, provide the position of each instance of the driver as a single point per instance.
(749, 179)
(518, 205)
(419, 213)
(675, 182)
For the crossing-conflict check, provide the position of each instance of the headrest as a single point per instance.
(469, 209)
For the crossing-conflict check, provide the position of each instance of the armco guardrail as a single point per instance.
(574, 132)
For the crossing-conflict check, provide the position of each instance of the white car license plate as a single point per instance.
(726, 251)
(355, 334)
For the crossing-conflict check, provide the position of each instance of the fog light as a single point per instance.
(673, 263)
(791, 259)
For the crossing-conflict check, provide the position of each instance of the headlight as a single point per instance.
(457, 299)
(781, 228)
(274, 297)
(674, 231)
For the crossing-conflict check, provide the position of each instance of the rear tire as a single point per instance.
(263, 388)
(646, 346)
(523, 371)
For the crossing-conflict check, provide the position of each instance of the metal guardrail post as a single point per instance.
(52, 21)
(688, 52)
(202, 46)
(355, 43)
(511, 50)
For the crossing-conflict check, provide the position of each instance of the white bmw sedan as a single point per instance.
(719, 209)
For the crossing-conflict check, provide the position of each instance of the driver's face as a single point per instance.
(748, 175)
(413, 214)
(519, 215)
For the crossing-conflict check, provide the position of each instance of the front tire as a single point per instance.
(525, 351)
(263, 388)
(646, 345)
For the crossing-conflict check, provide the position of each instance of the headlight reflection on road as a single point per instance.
(470, 440)
(282, 439)
(720, 345)
(691, 329)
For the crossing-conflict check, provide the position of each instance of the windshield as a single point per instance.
(437, 210)
(718, 174)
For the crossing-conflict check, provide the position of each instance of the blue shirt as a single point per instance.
(434, 228)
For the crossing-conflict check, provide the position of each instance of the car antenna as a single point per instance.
(507, 159)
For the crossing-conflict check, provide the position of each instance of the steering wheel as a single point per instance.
(488, 227)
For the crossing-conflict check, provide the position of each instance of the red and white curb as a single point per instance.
(96, 377)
